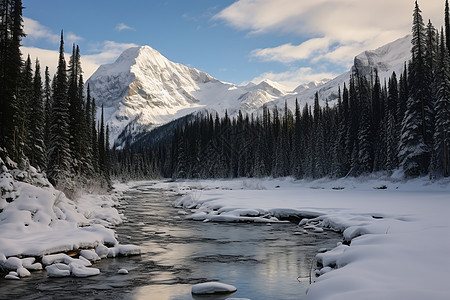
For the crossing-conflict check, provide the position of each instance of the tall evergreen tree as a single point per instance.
(37, 122)
(447, 25)
(10, 71)
(24, 115)
(59, 158)
(403, 96)
(101, 144)
(414, 152)
(392, 128)
(47, 106)
(440, 161)
(94, 141)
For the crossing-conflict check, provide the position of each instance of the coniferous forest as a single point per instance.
(401, 123)
(47, 123)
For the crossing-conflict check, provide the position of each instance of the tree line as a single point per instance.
(48, 123)
(375, 126)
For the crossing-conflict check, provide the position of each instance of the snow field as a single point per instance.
(38, 221)
(397, 239)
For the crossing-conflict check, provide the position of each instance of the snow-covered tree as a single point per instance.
(58, 152)
(414, 151)
(440, 160)
(36, 130)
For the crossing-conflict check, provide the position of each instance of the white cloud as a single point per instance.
(72, 38)
(122, 26)
(336, 30)
(295, 77)
(36, 31)
(49, 58)
(105, 52)
(288, 53)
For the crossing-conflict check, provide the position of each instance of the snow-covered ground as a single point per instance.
(399, 231)
(36, 220)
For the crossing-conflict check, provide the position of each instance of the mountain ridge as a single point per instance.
(142, 89)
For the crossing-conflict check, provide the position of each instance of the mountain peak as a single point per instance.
(143, 89)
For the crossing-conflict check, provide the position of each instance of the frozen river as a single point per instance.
(262, 261)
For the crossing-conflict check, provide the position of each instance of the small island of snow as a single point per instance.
(212, 288)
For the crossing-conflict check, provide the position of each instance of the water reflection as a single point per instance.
(262, 261)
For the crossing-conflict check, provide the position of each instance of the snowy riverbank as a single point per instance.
(37, 220)
(399, 231)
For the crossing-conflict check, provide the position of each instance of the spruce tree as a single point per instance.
(392, 128)
(440, 161)
(10, 72)
(24, 114)
(402, 96)
(365, 129)
(101, 144)
(89, 157)
(77, 113)
(47, 106)
(414, 152)
(59, 158)
(94, 141)
(37, 122)
(447, 26)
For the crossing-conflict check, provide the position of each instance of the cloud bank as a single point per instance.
(97, 54)
(332, 31)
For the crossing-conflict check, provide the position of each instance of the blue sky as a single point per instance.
(289, 41)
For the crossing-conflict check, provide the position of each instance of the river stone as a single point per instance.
(212, 288)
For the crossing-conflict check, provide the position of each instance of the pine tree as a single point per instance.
(59, 157)
(447, 26)
(37, 123)
(353, 128)
(108, 155)
(403, 95)
(77, 114)
(392, 128)
(47, 107)
(24, 115)
(101, 144)
(87, 143)
(341, 159)
(365, 129)
(10, 71)
(440, 161)
(94, 141)
(414, 152)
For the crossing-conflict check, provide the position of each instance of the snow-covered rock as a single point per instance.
(102, 251)
(79, 270)
(90, 255)
(13, 276)
(212, 288)
(58, 270)
(124, 250)
(41, 221)
(122, 271)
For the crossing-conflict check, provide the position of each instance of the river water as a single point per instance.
(262, 261)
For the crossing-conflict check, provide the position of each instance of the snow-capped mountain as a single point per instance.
(386, 59)
(142, 89)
